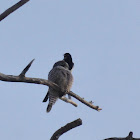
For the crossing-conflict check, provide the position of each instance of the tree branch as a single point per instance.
(26, 69)
(66, 128)
(12, 9)
(22, 78)
(89, 104)
(129, 137)
(68, 101)
(11, 78)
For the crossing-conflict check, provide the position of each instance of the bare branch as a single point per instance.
(12, 9)
(84, 101)
(66, 128)
(11, 78)
(129, 137)
(26, 69)
(68, 101)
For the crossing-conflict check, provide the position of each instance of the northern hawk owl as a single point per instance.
(62, 76)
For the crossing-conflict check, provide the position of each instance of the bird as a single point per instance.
(68, 59)
(62, 76)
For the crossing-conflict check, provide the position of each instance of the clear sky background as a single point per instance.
(103, 37)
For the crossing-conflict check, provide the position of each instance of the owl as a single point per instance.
(62, 76)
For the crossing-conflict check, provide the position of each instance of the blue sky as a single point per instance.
(103, 38)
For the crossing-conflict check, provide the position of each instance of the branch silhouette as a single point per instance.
(21, 78)
(12, 9)
(129, 137)
(66, 128)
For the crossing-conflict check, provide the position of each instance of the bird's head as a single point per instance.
(68, 59)
(67, 56)
(130, 134)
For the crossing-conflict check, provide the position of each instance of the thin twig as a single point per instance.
(89, 104)
(66, 128)
(68, 101)
(12, 9)
(11, 78)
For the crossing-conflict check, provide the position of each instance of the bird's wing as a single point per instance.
(62, 77)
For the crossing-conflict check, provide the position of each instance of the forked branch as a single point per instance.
(66, 128)
(26, 69)
(22, 78)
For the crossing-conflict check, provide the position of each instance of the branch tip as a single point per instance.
(22, 74)
(84, 101)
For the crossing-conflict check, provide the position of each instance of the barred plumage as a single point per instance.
(52, 99)
(62, 76)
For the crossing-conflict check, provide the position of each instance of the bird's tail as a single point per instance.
(52, 100)
(49, 107)
(46, 97)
